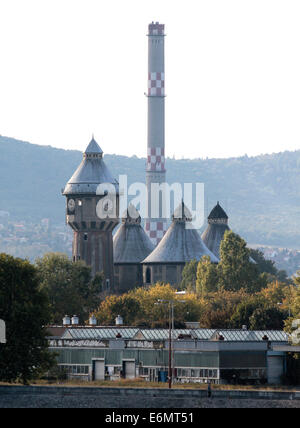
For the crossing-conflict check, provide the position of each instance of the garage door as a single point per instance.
(129, 369)
(99, 370)
(275, 369)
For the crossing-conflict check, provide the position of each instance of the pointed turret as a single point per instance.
(91, 172)
(131, 243)
(131, 246)
(215, 231)
(84, 214)
(217, 226)
(181, 244)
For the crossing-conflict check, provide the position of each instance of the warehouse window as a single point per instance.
(75, 369)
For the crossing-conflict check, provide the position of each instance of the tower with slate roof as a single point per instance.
(93, 212)
(181, 244)
(216, 228)
(131, 246)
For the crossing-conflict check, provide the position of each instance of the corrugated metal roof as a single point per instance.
(163, 334)
(252, 336)
(99, 333)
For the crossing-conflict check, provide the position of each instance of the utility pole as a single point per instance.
(171, 330)
(171, 305)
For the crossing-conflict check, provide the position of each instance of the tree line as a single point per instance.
(243, 289)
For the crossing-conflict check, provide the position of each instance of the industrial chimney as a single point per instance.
(155, 224)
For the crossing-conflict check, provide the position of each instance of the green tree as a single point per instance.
(70, 287)
(267, 319)
(207, 276)
(217, 308)
(189, 276)
(236, 271)
(244, 310)
(25, 309)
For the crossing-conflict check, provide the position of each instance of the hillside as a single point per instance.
(260, 194)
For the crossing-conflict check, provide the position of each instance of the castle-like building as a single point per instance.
(92, 221)
(136, 256)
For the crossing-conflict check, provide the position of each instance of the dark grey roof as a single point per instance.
(181, 244)
(217, 213)
(131, 243)
(91, 172)
(213, 235)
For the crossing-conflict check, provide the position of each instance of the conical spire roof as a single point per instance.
(131, 243)
(181, 244)
(217, 213)
(131, 215)
(91, 172)
(93, 148)
(182, 213)
(216, 228)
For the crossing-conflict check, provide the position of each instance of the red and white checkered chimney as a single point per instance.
(156, 225)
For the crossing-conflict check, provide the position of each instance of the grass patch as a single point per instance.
(141, 383)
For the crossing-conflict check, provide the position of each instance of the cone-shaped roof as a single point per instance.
(217, 226)
(131, 243)
(217, 213)
(93, 148)
(181, 244)
(213, 235)
(91, 172)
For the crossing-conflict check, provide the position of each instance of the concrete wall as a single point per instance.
(38, 396)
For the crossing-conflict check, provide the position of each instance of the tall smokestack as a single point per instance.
(155, 170)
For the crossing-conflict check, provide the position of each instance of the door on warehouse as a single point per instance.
(99, 369)
(129, 369)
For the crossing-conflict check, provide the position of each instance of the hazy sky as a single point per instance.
(70, 68)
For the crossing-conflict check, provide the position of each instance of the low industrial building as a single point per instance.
(198, 355)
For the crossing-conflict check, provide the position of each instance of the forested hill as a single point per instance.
(260, 194)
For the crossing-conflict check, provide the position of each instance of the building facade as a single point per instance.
(199, 355)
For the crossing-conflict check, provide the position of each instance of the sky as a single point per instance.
(73, 68)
